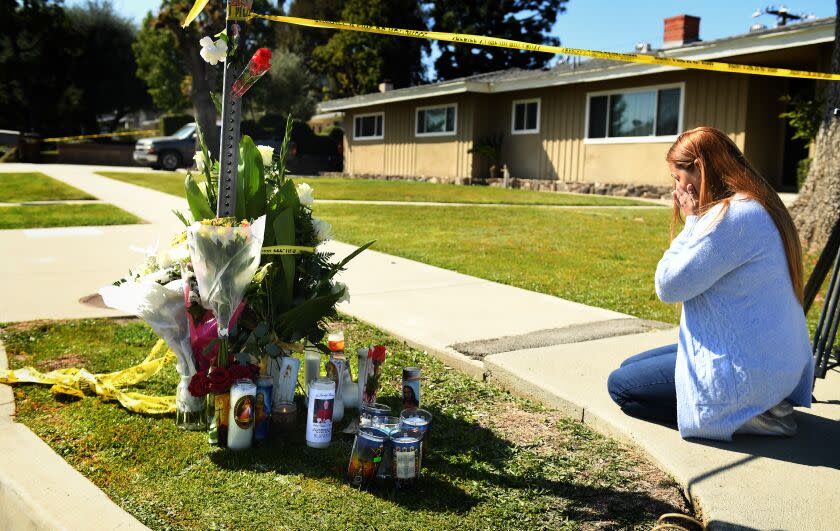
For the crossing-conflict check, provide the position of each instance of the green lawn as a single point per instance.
(603, 258)
(375, 190)
(21, 187)
(168, 182)
(495, 461)
(37, 216)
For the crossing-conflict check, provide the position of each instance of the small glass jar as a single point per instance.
(417, 419)
(368, 412)
(190, 411)
(284, 417)
(405, 455)
(388, 426)
(366, 456)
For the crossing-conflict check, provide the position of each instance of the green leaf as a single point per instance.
(284, 234)
(305, 315)
(272, 350)
(198, 202)
(250, 193)
(339, 266)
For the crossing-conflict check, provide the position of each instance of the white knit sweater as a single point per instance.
(744, 343)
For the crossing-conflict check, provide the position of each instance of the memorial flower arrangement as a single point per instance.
(232, 296)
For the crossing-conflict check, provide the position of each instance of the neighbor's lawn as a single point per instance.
(168, 182)
(20, 187)
(373, 190)
(495, 461)
(603, 258)
(38, 216)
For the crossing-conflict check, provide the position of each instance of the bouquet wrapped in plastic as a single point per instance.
(225, 255)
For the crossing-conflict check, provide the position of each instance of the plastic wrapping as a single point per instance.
(224, 260)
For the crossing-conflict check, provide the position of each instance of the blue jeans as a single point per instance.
(644, 385)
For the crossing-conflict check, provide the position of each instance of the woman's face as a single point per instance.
(682, 178)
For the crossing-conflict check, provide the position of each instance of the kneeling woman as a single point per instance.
(743, 358)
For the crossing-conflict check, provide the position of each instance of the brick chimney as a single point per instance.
(681, 29)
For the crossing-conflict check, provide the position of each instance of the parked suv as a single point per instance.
(167, 152)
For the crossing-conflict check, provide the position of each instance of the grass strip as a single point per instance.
(377, 190)
(494, 461)
(42, 216)
(18, 187)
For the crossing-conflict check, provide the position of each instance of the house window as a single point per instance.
(437, 121)
(368, 126)
(649, 114)
(526, 117)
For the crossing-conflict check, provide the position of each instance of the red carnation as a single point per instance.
(238, 372)
(254, 370)
(260, 61)
(220, 380)
(199, 384)
(377, 354)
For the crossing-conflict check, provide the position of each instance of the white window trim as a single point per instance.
(636, 139)
(366, 115)
(427, 107)
(513, 129)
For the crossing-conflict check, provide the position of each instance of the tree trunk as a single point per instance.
(817, 209)
(204, 80)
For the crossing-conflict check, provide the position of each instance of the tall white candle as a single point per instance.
(319, 413)
(361, 373)
(241, 414)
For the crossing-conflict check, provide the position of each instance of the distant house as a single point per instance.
(594, 120)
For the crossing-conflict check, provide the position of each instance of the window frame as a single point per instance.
(526, 101)
(367, 115)
(636, 139)
(438, 106)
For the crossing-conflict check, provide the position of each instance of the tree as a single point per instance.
(288, 89)
(300, 40)
(104, 68)
(204, 77)
(355, 63)
(60, 70)
(160, 65)
(817, 210)
(522, 20)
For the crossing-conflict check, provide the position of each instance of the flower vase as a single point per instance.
(189, 410)
(217, 418)
(371, 379)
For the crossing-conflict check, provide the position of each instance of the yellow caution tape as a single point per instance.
(102, 135)
(75, 382)
(287, 249)
(519, 45)
(194, 12)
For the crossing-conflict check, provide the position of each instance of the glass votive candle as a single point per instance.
(283, 417)
(366, 456)
(405, 458)
(417, 419)
(388, 426)
(368, 412)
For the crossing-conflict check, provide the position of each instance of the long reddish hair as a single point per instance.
(724, 171)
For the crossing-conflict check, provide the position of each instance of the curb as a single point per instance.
(39, 489)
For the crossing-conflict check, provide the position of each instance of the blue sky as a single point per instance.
(613, 25)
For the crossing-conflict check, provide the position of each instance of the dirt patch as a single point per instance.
(62, 362)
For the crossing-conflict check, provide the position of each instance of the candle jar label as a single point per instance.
(243, 412)
(405, 463)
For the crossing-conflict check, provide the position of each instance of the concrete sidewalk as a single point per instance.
(46, 272)
(488, 329)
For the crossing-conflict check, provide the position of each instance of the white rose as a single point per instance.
(199, 160)
(304, 192)
(322, 229)
(213, 52)
(341, 287)
(267, 153)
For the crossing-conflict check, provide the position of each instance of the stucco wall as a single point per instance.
(401, 152)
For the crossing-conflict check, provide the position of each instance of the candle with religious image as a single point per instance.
(319, 415)
(241, 417)
(263, 405)
(286, 377)
(411, 387)
(405, 458)
(366, 456)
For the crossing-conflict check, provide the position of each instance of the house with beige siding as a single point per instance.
(592, 120)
